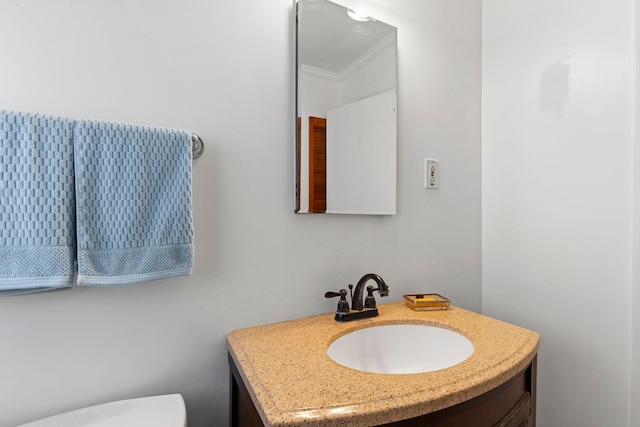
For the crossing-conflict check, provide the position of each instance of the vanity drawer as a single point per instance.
(511, 404)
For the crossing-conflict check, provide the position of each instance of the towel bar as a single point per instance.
(197, 145)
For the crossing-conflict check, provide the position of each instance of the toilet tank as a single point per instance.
(156, 411)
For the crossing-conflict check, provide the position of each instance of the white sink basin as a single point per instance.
(400, 349)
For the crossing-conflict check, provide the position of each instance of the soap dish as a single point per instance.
(425, 302)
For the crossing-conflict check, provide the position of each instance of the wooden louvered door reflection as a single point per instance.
(298, 161)
(317, 165)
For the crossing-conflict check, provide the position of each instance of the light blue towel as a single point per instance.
(133, 191)
(37, 234)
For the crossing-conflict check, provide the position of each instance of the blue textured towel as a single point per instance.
(133, 191)
(37, 235)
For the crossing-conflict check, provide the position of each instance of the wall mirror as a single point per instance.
(346, 111)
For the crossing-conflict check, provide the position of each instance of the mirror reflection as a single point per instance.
(346, 111)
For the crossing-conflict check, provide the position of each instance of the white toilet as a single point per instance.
(156, 411)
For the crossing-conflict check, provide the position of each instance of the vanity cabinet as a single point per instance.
(281, 376)
(512, 404)
(242, 411)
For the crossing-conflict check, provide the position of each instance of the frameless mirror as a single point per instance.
(346, 111)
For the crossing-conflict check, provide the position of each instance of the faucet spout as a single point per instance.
(357, 300)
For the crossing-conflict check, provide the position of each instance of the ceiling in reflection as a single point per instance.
(327, 36)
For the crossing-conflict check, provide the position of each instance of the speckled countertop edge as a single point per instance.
(294, 383)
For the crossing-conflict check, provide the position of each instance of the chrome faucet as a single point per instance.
(360, 308)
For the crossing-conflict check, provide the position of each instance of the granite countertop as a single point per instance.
(293, 382)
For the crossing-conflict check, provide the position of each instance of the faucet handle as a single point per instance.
(343, 305)
(370, 301)
(335, 294)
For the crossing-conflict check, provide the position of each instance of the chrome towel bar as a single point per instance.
(197, 146)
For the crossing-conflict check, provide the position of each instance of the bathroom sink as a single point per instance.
(400, 349)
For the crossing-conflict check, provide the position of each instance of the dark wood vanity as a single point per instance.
(512, 404)
(282, 376)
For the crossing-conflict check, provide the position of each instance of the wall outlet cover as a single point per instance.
(431, 174)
